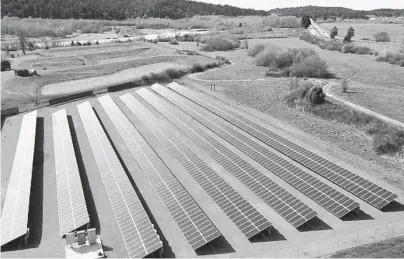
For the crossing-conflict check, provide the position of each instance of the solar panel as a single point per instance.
(329, 198)
(137, 231)
(14, 218)
(72, 207)
(289, 207)
(353, 183)
(194, 224)
(249, 221)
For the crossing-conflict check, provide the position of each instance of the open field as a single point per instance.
(367, 30)
(58, 65)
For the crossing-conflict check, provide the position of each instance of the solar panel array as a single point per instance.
(290, 208)
(14, 218)
(243, 214)
(137, 231)
(194, 224)
(355, 184)
(71, 202)
(329, 198)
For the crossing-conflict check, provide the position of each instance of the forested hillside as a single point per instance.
(321, 12)
(334, 12)
(387, 12)
(117, 9)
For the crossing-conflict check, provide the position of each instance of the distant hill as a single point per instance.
(321, 12)
(117, 9)
(387, 12)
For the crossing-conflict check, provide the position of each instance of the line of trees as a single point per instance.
(117, 9)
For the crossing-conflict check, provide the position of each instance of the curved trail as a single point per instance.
(325, 88)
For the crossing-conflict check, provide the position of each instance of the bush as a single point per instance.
(315, 96)
(173, 42)
(298, 93)
(351, 48)
(196, 68)
(309, 67)
(218, 43)
(393, 58)
(175, 73)
(382, 37)
(388, 143)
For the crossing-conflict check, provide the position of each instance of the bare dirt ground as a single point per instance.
(86, 84)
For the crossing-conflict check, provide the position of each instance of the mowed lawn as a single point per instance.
(380, 86)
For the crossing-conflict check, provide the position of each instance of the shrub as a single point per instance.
(351, 48)
(196, 68)
(382, 37)
(394, 58)
(388, 143)
(218, 43)
(267, 57)
(222, 60)
(315, 96)
(344, 85)
(298, 93)
(173, 42)
(175, 73)
(309, 67)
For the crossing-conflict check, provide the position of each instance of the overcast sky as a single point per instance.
(270, 4)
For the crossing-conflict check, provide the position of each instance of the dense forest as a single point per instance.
(321, 12)
(334, 12)
(117, 9)
(387, 12)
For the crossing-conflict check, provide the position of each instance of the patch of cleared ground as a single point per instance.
(87, 84)
(86, 62)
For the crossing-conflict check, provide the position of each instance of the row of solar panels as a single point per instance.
(197, 117)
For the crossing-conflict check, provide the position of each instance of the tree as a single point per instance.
(349, 35)
(334, 32)
(21, 37)
(306, 21)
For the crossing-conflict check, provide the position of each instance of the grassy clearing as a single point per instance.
(291, 62)
(335, 45)
(387, 139)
